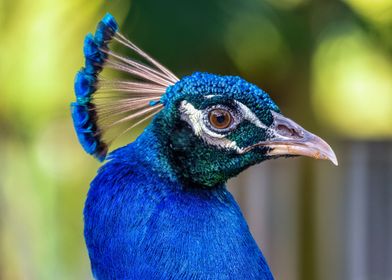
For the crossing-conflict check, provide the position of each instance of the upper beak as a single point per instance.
(289, 138)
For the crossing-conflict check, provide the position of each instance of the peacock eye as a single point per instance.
(220, 118)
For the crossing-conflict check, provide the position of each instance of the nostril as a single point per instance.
(287, 131)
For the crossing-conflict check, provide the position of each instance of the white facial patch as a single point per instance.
(249, 115)
(194, 118)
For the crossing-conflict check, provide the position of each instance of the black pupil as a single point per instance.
(220, 118)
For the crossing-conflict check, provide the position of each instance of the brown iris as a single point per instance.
(220, 118)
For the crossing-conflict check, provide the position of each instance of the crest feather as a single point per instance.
(102, 104)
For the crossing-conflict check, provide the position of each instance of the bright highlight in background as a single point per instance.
(377, 11)
(352, 85)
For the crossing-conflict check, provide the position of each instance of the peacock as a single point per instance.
(159, 208)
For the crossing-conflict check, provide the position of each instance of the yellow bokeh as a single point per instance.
(40, 51)
(352, 85)
(377, 11)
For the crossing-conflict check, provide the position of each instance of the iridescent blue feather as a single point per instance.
(83, 115)
(106, 29)
(159, 208)
(142, 219)
(88, 135)
(85, 85)
(104, 104)
(94, 57)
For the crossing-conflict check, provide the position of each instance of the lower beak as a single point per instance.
(316, 148)
(289, 138)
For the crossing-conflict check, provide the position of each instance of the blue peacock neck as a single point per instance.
(142, 221)
(154, 149)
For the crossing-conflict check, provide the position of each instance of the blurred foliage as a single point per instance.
(326, 63)
(352, 83)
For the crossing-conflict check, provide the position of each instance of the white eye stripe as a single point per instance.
(249, 115)
(194, 118)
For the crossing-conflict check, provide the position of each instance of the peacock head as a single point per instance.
(210, 127)
(216, 126)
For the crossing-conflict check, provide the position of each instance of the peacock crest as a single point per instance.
(106, 107)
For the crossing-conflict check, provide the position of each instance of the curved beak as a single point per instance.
(289, 138)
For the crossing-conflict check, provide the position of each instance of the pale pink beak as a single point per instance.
(289, 138)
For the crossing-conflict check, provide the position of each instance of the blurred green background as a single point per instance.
(326, 63)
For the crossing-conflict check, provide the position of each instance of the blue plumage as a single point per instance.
(159, 207)
(91, 49)
(80, 115)
(142, 223)
(84, 117)
(200, 83)
(87, 140)
(93, 56)
(106, 29)
(84, 86)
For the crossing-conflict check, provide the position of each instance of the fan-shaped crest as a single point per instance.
(106, 108)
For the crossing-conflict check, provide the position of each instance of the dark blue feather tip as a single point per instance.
(85, 85)
(106, 29)
(90, 48)
(88, 142)
(153, 103)
(98, 105)
(83, 111)
(80, 116)
(84, 119)
(95, 58)
(111, 22)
